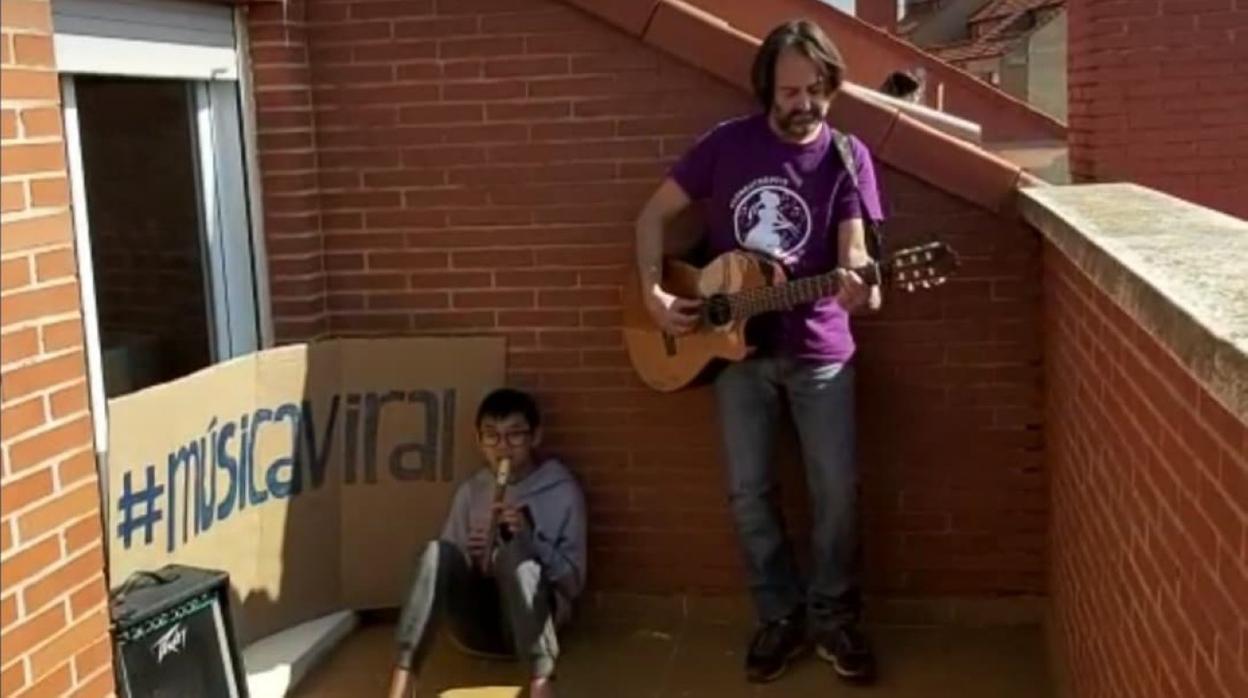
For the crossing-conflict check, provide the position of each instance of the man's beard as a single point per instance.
(799, 122)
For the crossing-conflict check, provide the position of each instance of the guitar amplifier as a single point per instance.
(172, 636)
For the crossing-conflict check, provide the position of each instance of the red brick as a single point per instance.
(55, 264)
(41, 122)
(50, 192)
(407, 260)
(26, 563)
(75, 468)
(65, 507)
(1225, 425)
(484, 90)
(51, 683)
(543, 278)
(68, 401)
(67, 577)
(98, 686)
(34, 450)
(451, 279)
(539, 318)
(35, 377)
(527, 111)
(19, 345)
(40, 302)
(62, 335)
(21, 418)
(81, 534)
(492, 259)
(12, 197)
(579, 298)
(602, 318)
(29, 84)
(34, 51)
(8, 124)
(526, 67)
(492, 299)
(483, 47)
(435, 27)
(599, 255)
(27, 14)
(87, 661)
(34, 231)
(409, 300)
(78, 636)
(18, 494)
(8, 611)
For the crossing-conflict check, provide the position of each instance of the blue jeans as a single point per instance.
(821, 400)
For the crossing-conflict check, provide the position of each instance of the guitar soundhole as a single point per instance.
(718, 310)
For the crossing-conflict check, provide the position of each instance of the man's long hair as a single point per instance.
(806, 37)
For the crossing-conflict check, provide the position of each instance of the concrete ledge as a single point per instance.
(1179, 269)
(661, 611)
(277, 663)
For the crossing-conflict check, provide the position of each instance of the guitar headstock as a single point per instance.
(921, 267)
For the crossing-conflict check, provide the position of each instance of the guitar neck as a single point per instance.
(746, 304)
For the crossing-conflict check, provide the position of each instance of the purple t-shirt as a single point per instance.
(784, 200)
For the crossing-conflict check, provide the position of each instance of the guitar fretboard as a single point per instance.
(746, 304)
(771, 298)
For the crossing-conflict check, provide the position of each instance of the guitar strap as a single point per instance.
(875, 238)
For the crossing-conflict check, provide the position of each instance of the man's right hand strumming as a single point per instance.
(675, 315)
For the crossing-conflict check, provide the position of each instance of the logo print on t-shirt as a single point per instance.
(771, 218)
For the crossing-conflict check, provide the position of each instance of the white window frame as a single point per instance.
(240, 319)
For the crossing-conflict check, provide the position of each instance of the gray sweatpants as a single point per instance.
(507, 614)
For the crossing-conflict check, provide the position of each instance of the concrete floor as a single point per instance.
(648, 655)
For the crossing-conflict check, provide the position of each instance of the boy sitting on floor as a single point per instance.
(505, 591)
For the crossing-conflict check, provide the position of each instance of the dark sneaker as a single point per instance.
(773, 646)
(846, 649)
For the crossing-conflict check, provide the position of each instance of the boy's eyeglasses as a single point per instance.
(513, 438)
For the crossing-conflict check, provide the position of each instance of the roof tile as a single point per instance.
(630, 15)
(870, 122)
(962, 169)
(703, 40)
(950, 164)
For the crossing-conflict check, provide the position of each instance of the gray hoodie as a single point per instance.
(558, 507)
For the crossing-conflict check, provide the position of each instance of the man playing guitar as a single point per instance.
(775, 183)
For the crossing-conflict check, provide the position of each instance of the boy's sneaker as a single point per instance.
(773, 646)
(846, 649)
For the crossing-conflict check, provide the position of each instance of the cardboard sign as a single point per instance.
(311, 473)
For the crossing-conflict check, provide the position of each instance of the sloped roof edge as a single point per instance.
(713, 46)
(854, 36)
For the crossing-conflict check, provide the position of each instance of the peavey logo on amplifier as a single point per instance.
(172, 642)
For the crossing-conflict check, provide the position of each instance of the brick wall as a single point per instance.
(1157, 96)
(478, 166)
(52, 597)
(1150, 485)
(288, 163)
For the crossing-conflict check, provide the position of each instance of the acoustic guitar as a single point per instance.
(737, 286)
